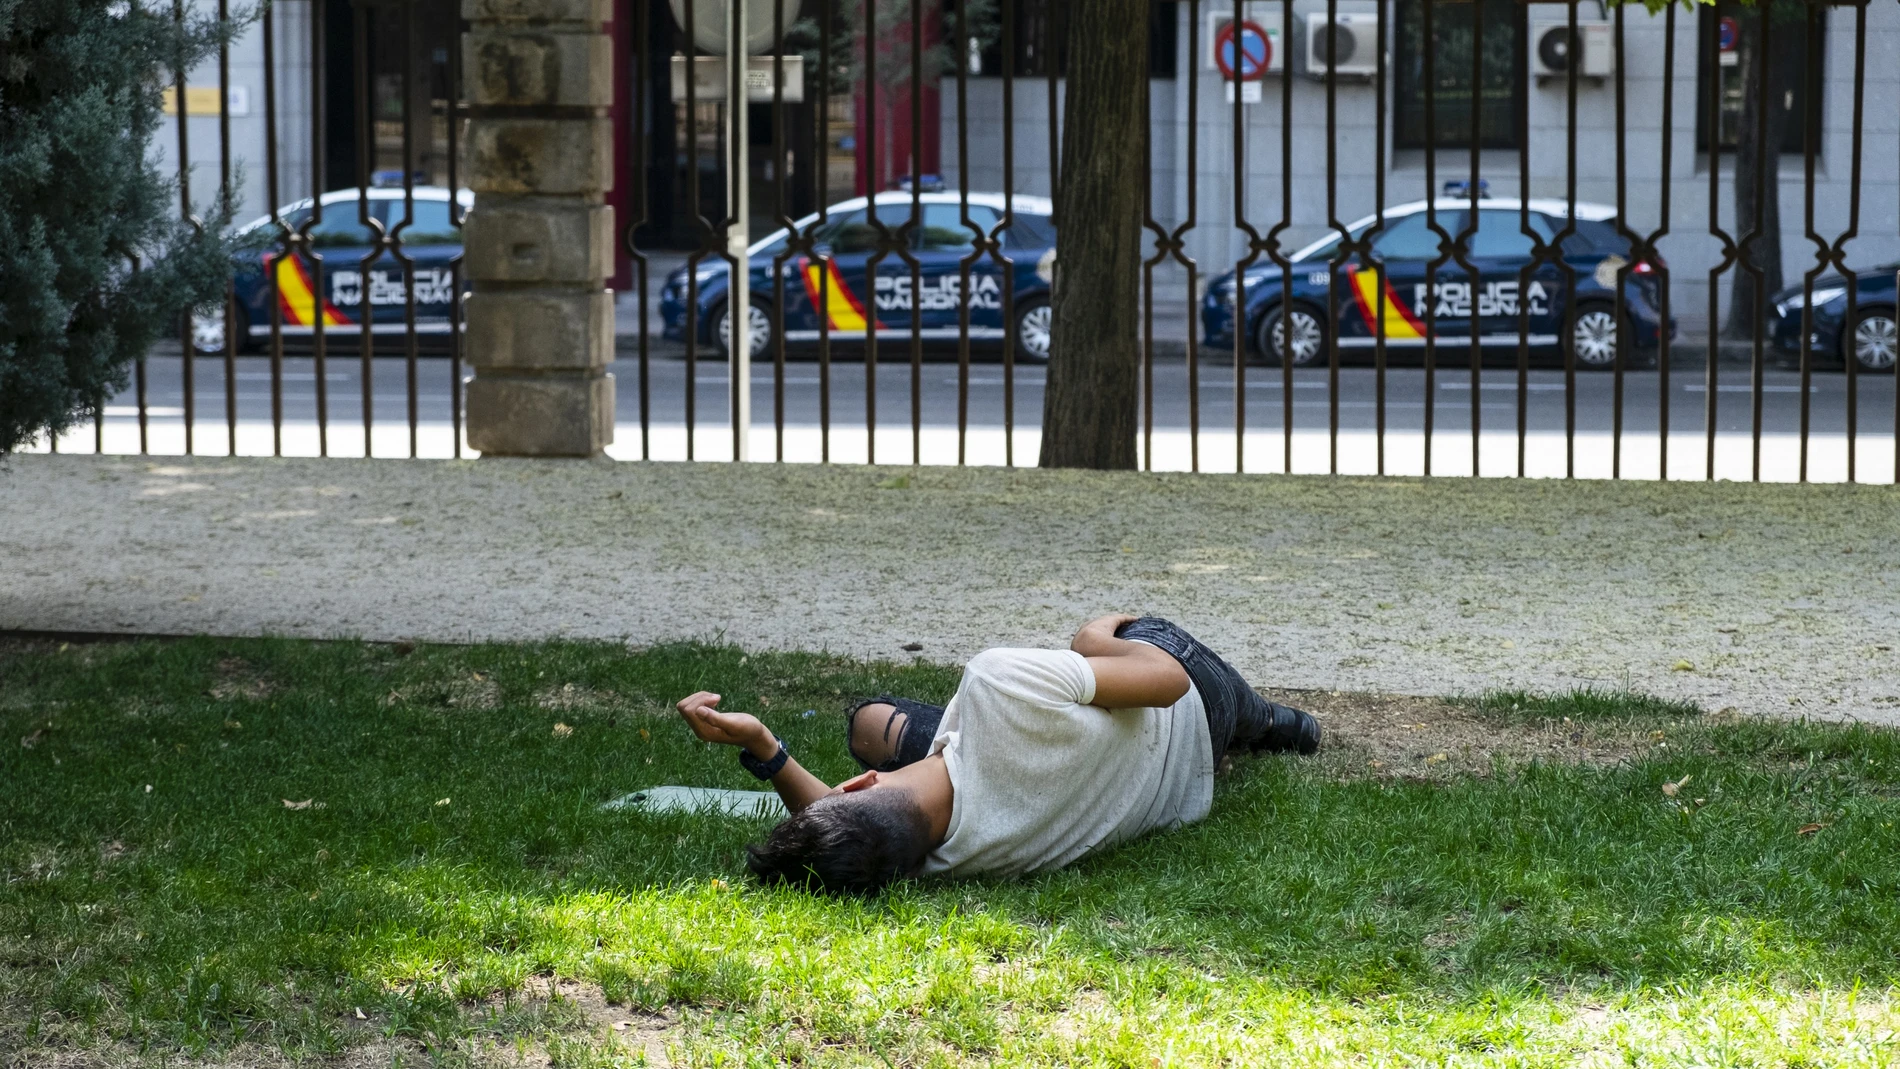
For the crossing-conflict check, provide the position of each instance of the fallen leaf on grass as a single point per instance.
(360, 1015)
(645, 734)
(1438, 759)
(1670, 789)
(288, 804)
(562, 731)
(33, 740)
(1683, 666)
(895, 482)
(1810, 829)
(441, 801)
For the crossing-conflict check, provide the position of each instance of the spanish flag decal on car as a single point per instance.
(297, 297)
(833, 300)
(1400, 323)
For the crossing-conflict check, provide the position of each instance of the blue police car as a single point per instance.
(1874, 334)
(845, 293)
(1583, 320)
(332, 280)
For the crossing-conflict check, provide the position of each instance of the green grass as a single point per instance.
(1544, 915)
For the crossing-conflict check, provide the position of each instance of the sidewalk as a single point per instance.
(1772, 599)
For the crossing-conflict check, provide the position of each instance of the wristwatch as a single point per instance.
(765, 769)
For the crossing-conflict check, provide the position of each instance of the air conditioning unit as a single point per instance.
(1352, 39)
(1554, 49)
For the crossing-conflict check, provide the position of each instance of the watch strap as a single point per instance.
(765, 769)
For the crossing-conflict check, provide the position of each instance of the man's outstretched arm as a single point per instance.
(1128, 674)
(796, 786)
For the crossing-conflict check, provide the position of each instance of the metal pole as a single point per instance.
(739, 291)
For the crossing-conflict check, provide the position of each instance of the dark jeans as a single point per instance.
(1236, 716)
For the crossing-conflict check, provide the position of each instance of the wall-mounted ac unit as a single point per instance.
(1554, 49)
(1352, 40)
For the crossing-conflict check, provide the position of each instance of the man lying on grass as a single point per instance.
(1041, 757)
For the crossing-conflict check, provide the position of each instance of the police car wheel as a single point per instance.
(1309, 338)
(761, 331)
(1877, 340)
(1593, 336)
(1035, 331)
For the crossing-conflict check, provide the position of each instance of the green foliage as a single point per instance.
(95, 261)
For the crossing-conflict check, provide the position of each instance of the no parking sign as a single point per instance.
(1243, 49)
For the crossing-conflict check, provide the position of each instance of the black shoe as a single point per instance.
(1293, 731)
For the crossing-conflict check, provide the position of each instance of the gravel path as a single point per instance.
(1770, 599)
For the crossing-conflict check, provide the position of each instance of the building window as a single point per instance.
(1727, 30)
(1041, 38)
(1501, 78)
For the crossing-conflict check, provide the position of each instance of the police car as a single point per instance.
(1582, 320)
(1875, 332)
(330, 279)
(844, 293)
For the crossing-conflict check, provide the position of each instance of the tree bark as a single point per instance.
(1089, 405)
(1758, 164)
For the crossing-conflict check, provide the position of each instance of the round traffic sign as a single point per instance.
(1243, 46)
(1728, 33)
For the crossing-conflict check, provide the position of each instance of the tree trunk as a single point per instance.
(1089, 406)
(1758, 156)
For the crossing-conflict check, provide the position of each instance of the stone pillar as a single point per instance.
(539, 243)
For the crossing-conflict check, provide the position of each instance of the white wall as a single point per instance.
(1691, 251)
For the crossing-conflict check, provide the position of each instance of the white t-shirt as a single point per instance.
(1041, 777)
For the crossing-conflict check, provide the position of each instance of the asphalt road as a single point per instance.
(805, 394)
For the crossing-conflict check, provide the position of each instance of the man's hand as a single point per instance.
(1098, 635)
(701, 713)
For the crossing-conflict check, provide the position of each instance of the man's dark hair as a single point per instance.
(855, 842)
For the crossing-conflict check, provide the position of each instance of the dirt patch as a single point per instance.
(572, 696)
(1392, 736)
(475, 692)
(238, 680)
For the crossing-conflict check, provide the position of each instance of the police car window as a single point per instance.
(1501, 234)
(1596, 237)
(853, 232)
(339, 226)
(943, 229)
(429, 223)
(1409, 237)
(1029, 232)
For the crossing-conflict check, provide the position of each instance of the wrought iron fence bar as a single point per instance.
(1278, 254)
(1711, 61)
(1570, 227)
(1756, 271)
(398, 234)
(915, 230)
(827, 13)
(317, 149)
(185, 213)
(1004, 228)
(1378, 227)
(365, 156)
(1838, 253)
(1622, 275)
(1427, 24)
(1667, 334)
(791, 228)
(705, 233)
(224, 195)
(1238, 183)
(1178, 239)
(286, 237)
(457, 218)
(978, 236)
(1808, 134)
(1462, 250)
(868, 149)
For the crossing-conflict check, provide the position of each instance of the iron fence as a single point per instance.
(1236, 301)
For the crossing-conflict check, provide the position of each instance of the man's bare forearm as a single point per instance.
(795, 786)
